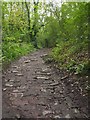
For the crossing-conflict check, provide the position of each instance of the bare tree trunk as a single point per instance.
(28, 13)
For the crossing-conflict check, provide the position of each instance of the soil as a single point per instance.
(34, 89)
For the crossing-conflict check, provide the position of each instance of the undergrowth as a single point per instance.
(72, 56)
(12, 50)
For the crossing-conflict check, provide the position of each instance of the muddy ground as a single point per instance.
(34, 89)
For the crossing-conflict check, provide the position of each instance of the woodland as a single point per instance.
(45, 59)
(28, 26)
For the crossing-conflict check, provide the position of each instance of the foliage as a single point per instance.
(11, 50)
(71, 51)
(39, 24)
(15, 36)
(75, 57)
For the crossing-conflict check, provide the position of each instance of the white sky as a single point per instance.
(54, 1)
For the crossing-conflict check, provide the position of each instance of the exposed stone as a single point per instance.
(43, 90)
(11, 80)
(40, 77)
(46, 112)
(27, 61)
(19, 74)
(8, 85)
(15, 71)
(17, 95)
(4, 89)
(54, 84)
(64, 77)
(14, 66)
(67, 116)
(57, 116)
(76, 110)
(45, 95)
(15, 91)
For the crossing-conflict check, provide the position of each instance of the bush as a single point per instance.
(12, 50)
(72, 55)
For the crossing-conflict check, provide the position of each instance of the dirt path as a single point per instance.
(33, 89)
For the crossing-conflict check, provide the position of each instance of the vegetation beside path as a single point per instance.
(64, 28)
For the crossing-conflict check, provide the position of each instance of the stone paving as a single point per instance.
(34, 89)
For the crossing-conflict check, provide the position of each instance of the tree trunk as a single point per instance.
(28, 13)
